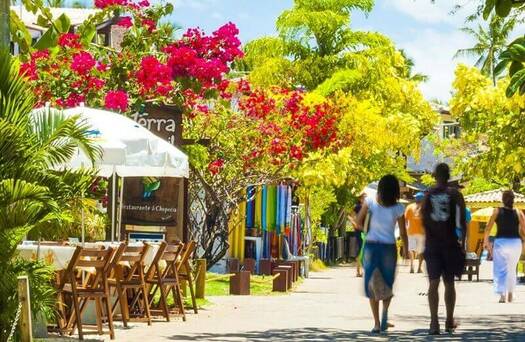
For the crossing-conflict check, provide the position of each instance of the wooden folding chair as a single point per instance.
(127, 277)
(82, 288)
(185, 270)
(163, 276)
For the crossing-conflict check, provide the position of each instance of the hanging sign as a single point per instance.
(150, 201)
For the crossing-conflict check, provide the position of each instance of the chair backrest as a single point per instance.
(95, 260)
(133, 256)
(168, 254)
(186, 255)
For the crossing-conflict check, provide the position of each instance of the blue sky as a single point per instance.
(428, 33)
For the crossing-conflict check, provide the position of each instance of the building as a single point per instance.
(447, 128)
(108, 34)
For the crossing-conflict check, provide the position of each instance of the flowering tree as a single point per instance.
(256, 135)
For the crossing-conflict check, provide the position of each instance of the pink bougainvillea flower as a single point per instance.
(144, 3)
(149, 24)
(83, 63)
(154, 76)
(69, 40)
(102, 67)
(125, 22)
(107, 3)
(116, 100)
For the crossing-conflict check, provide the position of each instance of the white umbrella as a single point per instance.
(128, 150)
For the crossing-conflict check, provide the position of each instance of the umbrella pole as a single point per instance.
(121, 201)
(113, 204)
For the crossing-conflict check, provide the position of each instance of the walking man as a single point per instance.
(416, 232)
(443, 210)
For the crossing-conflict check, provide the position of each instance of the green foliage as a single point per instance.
(479, 185)
(382, 114)
(491, 144)
(32, 193)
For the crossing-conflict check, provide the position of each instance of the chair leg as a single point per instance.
(146, 303)
(192, 293)
(123, 307)
(109, 315)
(177, 298)
(78, 317)
(98, 306)
(164, 303)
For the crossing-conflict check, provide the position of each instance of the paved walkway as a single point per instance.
(331, 306)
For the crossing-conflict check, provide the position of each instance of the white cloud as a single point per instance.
(433, 13)
(433, 53)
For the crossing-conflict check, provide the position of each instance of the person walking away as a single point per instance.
(380, 252)
(358, 234)
(507, 246)
(443, 210)
(416, 232)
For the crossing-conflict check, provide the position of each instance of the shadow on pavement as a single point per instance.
(498, 328)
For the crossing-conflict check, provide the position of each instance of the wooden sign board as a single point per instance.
(145, 204)
(150, 201)
(164, 121)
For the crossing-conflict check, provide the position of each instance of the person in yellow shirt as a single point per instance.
(416, 232)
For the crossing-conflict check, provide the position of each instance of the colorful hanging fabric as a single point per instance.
(264, 208)
(278, 210)
(258, 208)
(236, 231)
(288, 219)
(271, 207)
(250, 207)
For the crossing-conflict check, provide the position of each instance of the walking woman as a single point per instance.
(380, 251)
(507, 245)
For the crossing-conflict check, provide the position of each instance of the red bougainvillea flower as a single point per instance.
(29, 70)
(125, 22)
(69, 40)
(116, 100)
(83, 62)
(40, 54)
(95, 83)
(296, 152)
(149, 24)
(216, 166)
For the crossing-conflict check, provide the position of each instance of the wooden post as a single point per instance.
(200, 282)
(26, 332)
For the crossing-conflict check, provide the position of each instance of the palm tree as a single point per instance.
(32, 193)
(490, 42)
(409, 69)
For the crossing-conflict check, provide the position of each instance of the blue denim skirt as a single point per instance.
(379, 264)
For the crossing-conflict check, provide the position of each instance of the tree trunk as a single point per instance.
(5, 40)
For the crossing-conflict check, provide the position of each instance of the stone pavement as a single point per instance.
(330, 306)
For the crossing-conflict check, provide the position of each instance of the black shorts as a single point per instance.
(446, 262)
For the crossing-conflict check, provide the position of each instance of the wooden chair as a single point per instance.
(128, 279)
(162, 276)
(82, 288)
(185, 271)
(472, 265)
